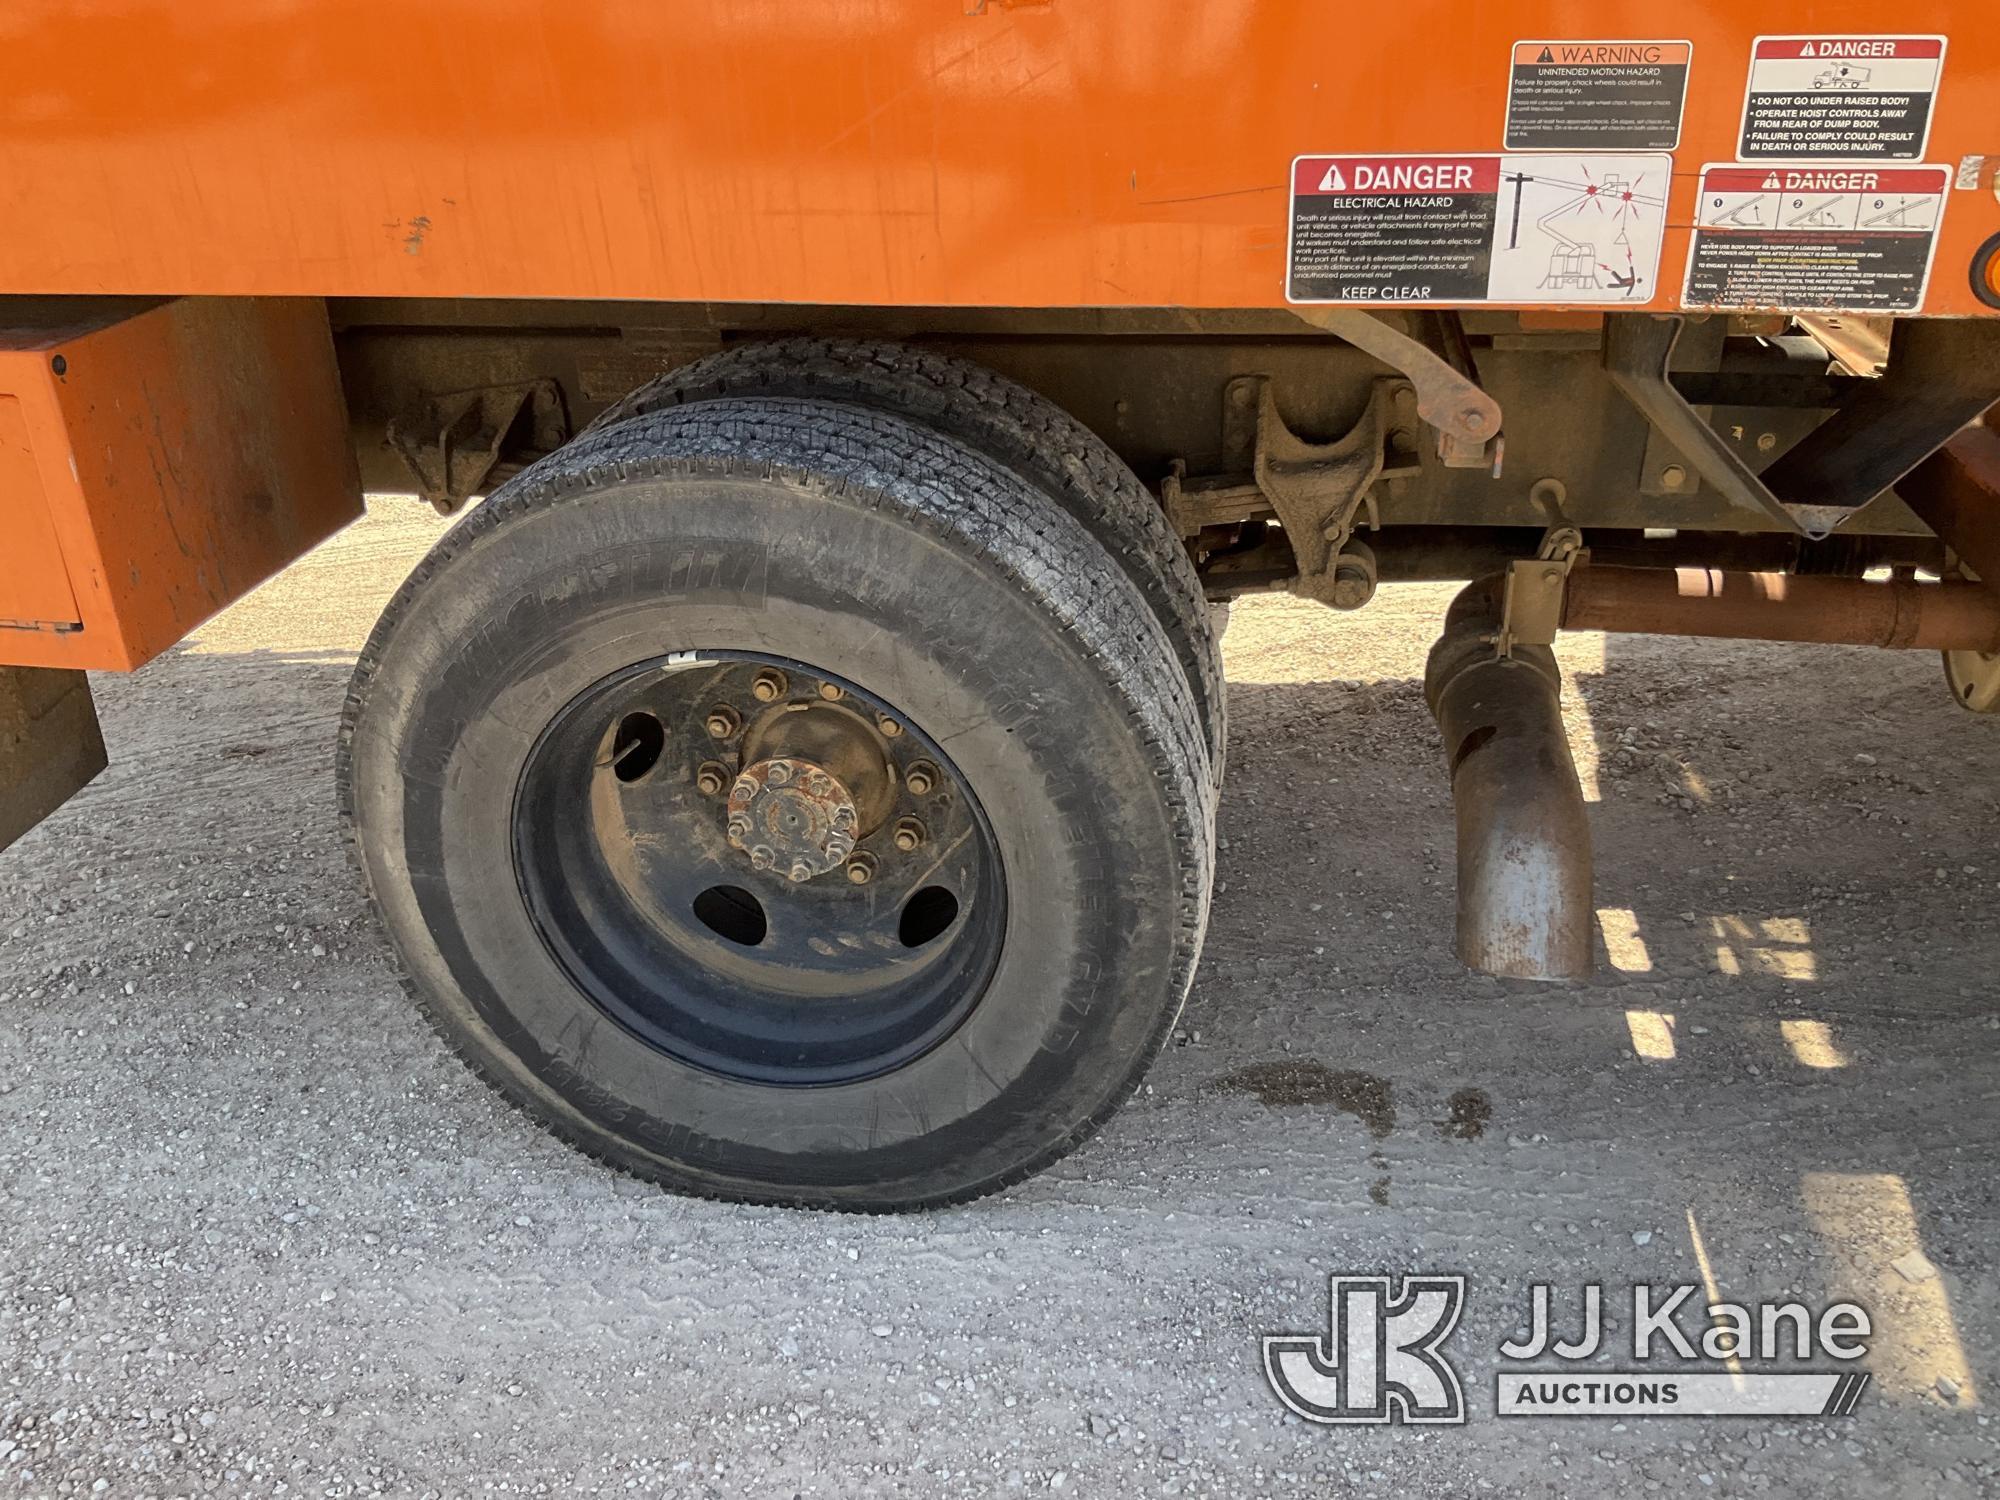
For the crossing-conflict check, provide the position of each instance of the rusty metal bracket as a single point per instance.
(453, 447)
(1466, 418)
(1317, 489)
(1531, 594)
(1637, 352)
(1956, 492)
(1942, 374)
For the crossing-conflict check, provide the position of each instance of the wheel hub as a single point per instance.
(759, 868)
(794, 816)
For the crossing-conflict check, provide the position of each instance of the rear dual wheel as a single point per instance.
(1004, 421)
(787, 802)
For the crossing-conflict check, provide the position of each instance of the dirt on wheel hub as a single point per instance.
(792, 815)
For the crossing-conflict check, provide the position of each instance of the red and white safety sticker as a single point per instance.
(1840, 98)
(1815, 238)
(1545, 229)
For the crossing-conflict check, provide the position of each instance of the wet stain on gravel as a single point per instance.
(1282, 1083)
(1469, 1110)
(1279, 1084)
(1366, 1097)
(1363, 1095)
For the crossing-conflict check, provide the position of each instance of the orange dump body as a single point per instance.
(1045, 153)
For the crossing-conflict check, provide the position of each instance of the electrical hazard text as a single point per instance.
(1523, 230)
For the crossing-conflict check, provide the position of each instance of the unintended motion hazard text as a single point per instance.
(1596, 96)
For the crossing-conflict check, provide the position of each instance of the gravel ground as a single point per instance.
(260, 1234)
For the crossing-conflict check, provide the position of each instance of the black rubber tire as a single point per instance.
(1004, 420)
(907, 563)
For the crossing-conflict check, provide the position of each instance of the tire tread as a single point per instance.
(1002, 418)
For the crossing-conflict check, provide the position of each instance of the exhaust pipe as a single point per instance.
(1524, 868)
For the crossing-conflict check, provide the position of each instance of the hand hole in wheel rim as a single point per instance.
(636, 748)
(730, 911)
(763, 921)
(927, 916)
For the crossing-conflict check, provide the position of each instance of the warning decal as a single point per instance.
(1864, 98)
(1815, 239)
(1526, 230)
(1602, 96)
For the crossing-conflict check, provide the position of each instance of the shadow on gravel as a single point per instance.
(1779, 1081)
(1782, 1066)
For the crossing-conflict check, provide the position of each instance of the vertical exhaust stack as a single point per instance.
(1524, 865)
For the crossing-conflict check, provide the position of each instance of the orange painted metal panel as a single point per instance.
(34, 585)
(175, 458)
(990, 152)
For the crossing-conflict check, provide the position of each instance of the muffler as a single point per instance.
(1524, 867)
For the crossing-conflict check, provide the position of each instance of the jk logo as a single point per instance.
(1379, 1359)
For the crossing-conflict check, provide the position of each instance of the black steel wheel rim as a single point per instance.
(759, 868)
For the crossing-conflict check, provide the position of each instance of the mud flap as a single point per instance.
(50, 744)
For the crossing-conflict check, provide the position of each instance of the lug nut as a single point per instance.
(830, 691)
(843, 819)
(910, 834)
(818, 783)
(889, 727)
(920, 778)
(763, 857)
(739, 828)
(838, 846)
(861, 868)
(722, 721)
(711, 779)
(769, 685)
(800, 872)
(778, 772)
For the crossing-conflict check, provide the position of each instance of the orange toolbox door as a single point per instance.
(34, 582)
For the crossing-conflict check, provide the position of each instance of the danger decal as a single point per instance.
(1815, 238)
(1524, 230)
(1848, 97)
(1602, 96)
